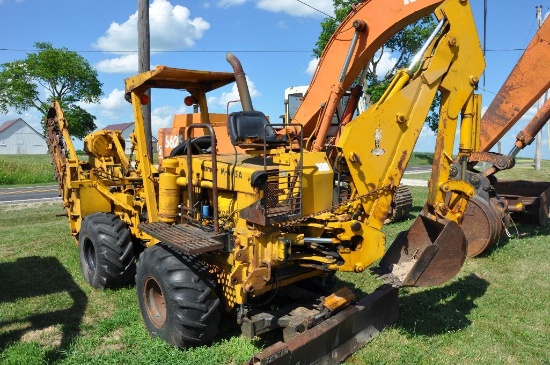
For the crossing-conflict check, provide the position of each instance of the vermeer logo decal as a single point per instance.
(377, 151)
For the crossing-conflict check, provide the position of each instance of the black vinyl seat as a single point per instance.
(246, 129)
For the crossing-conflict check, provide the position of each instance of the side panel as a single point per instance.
(94, 201)
(318, 183)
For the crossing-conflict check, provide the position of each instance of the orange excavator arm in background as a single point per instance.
(365, 29)
(529, 79)
(526, 83)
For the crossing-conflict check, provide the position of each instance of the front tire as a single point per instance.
(177, 297)
(106, 251)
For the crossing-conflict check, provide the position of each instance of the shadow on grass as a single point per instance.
(440, 310)
(28, 280)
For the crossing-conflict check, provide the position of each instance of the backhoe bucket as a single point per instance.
(429, 253)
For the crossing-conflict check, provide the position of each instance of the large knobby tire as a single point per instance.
(106, 251)
(177, 297)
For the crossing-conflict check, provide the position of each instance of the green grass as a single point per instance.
(495, 311)
(421, 159)
(524, 169)
(31, 169)
(25, 169)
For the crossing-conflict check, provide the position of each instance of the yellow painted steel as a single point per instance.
(456, 91)
(144, 164)
(383, 143)
(398, 82)
(169, 192)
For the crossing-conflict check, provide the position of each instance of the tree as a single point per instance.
(402, 46)
(65, 76)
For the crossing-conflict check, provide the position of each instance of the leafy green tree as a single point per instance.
(402, 46)
(63, 74)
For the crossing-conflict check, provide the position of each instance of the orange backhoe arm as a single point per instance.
(366, 28)
(529, 79)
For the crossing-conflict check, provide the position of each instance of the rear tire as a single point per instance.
(177, 297)
(106, 251)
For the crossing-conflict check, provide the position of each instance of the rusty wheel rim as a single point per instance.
(154, 302)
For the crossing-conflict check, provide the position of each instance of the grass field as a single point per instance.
(523, 170)
(496, 311)
(30, 169)
(25, 169)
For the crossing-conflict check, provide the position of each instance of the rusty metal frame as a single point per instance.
(333, 340)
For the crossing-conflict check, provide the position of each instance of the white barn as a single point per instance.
(18, 137)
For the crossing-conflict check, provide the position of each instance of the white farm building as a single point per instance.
(18, 137)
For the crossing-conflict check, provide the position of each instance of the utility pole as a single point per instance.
(144, 64)
(538, 144)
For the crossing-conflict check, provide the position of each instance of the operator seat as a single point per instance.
(199, 145)
(247, 130)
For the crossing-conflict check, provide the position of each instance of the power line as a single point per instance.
(505, 50)
(172, 51)
(218, 50)
(320, 11)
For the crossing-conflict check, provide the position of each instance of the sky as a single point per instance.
(272, 39)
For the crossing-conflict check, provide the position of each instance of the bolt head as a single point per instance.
(401, 118)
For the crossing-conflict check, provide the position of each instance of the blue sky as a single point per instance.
(202, 31)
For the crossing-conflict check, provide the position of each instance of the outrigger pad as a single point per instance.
(429, 253)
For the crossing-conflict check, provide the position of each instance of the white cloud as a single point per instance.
(291, 7)
(225, 97)
(171, 28)
(123, 64)
(281, 24)
(228, 3)
(113, 106)
(386, 63)
(312, 66)
(162, 117)
(483, 110)
(296, 8)
(17, 1)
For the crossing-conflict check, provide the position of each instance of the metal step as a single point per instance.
(187, 239)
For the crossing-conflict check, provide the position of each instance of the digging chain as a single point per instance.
(57, 149)
(389, 187)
